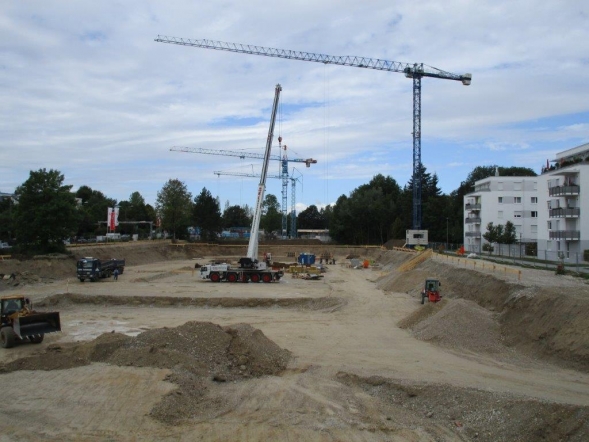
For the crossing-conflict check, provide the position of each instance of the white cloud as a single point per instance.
(87, 91)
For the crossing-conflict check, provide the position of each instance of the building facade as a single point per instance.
(498, 200)
(551, 210)
(564, 218)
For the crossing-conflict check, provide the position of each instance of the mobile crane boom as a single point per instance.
(416, 71)
(252, 249)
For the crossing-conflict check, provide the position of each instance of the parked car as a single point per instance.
(4, 245)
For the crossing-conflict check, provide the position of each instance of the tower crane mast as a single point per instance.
(284, 160)
(293, 214)
(415, 71)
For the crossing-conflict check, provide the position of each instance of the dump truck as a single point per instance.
(20, 323)
(94, 269)
(431, 291)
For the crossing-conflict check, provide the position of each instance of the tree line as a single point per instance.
(47, 211)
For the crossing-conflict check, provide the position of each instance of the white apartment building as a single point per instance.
(564, 217)
(548, 209)
(500, 199)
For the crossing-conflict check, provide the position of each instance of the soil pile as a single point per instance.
(535, 315)
(64, 300)
(462, 325)
(421, 314)
(47, 268)
(451, 413)
(197, 353)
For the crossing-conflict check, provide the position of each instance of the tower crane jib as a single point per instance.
(415, 71)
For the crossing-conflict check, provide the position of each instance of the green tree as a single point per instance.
(6, 219)
(207, 215)
(434, 206)
(135, 209)
(236, 216)
(508, 236)
(94, 209)
(46, 212)
(311, 218)
(271, 219)
(174, 207)
(367, 215)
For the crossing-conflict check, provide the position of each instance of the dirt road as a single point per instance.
(355, 374)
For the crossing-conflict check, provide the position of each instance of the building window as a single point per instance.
(534, 214)
(534, 200)
(517, 185)
(517, 214)
(500, 214)
(534, 228)
(517, 199)
(500, 199)
(549, 225)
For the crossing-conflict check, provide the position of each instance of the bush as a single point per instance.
(532, 249)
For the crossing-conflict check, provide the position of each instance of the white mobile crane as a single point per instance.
(250, 268)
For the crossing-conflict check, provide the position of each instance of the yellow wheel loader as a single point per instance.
(20, 323)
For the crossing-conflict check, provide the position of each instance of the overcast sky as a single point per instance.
(86, 90)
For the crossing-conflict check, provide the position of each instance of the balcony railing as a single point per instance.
(473, 234)
(471, 220)
(563, 212)
(569, 235)
(564, 190)
(472, 207)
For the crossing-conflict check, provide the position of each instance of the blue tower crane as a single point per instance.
(284, 160)
(293, 210)
(415, 71)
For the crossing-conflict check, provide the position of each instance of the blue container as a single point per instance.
(306, 258)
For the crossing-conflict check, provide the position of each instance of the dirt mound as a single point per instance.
(444, 412)
(462, 325)
(422, 313)
(67, 299)
(549, 322)
(39, 269)
(198, 353)
(540, 319)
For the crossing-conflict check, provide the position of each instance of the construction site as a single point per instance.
(162, 354)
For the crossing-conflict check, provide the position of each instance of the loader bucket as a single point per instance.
(37, 324)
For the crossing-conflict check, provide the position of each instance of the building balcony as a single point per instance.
(472, 234)
(567, 235)
(564, 190)
(472, 220)
(472, 207)
(562, 212)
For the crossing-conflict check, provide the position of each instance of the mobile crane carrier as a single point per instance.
(250, 268)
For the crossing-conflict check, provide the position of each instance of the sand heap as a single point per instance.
(198, 353)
